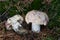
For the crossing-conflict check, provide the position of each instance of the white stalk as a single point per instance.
(35, 27)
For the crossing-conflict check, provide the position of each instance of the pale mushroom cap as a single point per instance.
(13, 20)
(37, 17)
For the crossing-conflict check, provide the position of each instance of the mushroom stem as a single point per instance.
(35, 27)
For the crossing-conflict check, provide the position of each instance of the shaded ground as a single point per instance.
(11, 35)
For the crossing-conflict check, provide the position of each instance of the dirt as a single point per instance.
(11, 35)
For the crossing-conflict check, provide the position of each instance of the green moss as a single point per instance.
(36, 4)
(13, 10)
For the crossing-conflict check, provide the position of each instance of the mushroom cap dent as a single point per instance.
(37, 17)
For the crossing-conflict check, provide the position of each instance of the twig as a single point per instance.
(6, 10)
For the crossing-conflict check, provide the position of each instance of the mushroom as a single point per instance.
(15, 24)
(37, 18)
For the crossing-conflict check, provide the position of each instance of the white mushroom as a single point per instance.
(37, 18)
(13, 21)
(15, 24)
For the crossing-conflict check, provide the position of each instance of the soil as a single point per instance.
(11, 35)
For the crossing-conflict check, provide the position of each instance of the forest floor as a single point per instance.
(11, 7)
(11, 35)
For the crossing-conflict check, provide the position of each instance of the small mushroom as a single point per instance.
(37, 18)
(15, 24)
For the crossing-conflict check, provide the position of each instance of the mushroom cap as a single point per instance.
(13, 20)
(36, 17)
